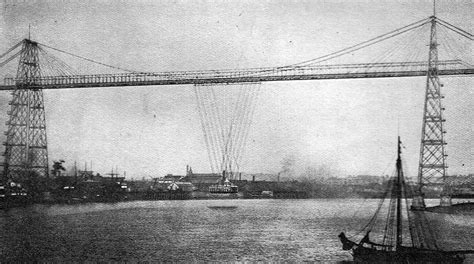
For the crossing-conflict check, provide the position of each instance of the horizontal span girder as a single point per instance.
(91, 81)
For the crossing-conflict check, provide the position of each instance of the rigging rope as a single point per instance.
(370, 225)
(390, 219)
(414, 234)
(381, 202)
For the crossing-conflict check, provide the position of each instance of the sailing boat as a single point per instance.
(392, 249)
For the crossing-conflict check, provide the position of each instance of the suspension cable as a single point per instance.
(200, 111)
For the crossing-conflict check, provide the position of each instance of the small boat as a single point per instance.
(466, 208)
(422, 247)
(224, 186)
(222, 207)
(12, 195)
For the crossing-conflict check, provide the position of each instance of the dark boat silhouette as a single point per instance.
(222, 207)
(423, 247)
(224, 186)
(12, 195)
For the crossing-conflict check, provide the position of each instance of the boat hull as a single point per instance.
(13, 196)
(10, 202)
(455, 209)
(404, 255)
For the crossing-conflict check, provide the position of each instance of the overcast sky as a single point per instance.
(349, 125)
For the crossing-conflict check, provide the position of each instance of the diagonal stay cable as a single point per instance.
(470, 37)
(12, 48)
(87, 59)
(350, 49)
(57, 64)
(363, 46)
(452, 45)
(454, 28)
(10, 59)
(390, 34)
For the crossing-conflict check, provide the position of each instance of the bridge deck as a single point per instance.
(324, 72)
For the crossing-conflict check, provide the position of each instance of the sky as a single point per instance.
(350, 126)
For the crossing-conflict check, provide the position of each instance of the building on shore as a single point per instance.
(85, 185)
(202, 180)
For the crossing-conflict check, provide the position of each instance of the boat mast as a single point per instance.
(399, 197)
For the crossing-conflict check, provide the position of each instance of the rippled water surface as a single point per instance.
(185, 231)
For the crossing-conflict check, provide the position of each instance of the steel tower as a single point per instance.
(26, 152)
(432, 164)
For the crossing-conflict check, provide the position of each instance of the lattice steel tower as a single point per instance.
(432, 164)
(26, 152)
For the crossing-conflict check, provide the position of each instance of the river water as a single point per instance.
(190, 231)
